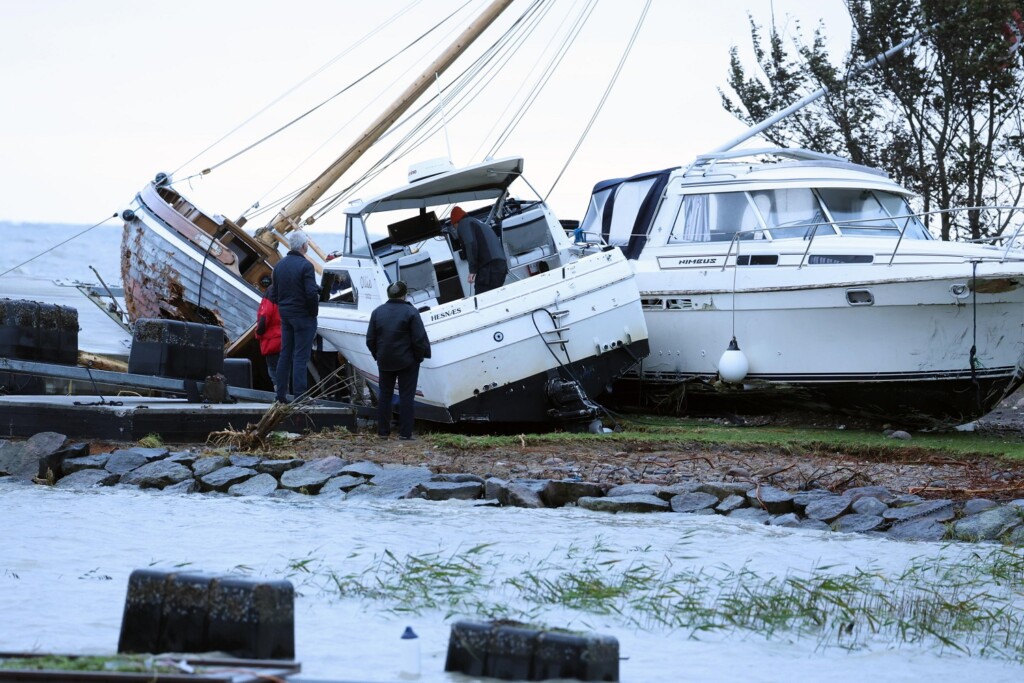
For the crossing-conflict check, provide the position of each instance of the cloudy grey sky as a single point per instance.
(101, 95)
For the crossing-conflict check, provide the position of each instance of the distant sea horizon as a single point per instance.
(39, 261)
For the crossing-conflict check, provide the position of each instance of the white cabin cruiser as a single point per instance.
(538, 349)
(835, 291)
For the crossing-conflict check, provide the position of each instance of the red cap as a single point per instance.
(457, 214)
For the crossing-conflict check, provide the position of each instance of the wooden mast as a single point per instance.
(286, 219)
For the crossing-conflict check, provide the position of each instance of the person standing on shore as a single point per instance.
(298, 302)
(268, 328)
(398, 342)
(487, 264)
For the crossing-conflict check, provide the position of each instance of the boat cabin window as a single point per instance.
(356, 242)
(857, 212)
(861, 212)
(336, 287)
(792, 213)
(715, 218)
(591, 225)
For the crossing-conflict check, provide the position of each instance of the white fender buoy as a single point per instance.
(733, 365)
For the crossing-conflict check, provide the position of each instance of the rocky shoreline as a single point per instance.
(49, 459)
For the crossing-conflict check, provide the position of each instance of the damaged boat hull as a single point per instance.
(181, 264)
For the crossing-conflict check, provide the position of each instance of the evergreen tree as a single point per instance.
(943, 117)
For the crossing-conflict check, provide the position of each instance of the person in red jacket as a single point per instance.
(268, 329)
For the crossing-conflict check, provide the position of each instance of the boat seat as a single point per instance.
(417, 272)
(527, 237)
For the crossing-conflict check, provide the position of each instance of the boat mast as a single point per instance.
(287, 218)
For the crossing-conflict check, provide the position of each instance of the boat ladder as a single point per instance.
(556, 336)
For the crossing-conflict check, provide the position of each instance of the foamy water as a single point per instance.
(66, 558)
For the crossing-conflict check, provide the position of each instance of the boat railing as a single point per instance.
(990, 239)
(907, 220)
(898, 222)
(736, 240)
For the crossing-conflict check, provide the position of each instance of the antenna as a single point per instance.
(444, 121)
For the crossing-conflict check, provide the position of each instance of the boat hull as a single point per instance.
(928, 341)
(498, 357)
(171, 269)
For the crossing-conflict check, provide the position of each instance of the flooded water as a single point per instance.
(364, 570)
(66, 558)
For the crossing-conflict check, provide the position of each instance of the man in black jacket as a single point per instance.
(298, 301)
(399, 343)
(487, 264)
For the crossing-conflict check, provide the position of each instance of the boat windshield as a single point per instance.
(800, 212)
(791, 213)
(872, 213)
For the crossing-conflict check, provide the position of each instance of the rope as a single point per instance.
(549, 71)
(57, 245)
(604, 98)
(493, 56)
(473, 74)
(403, 78)
(515, 97)
(284, 127)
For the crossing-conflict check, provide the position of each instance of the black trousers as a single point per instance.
(406, 378)
(491, 276)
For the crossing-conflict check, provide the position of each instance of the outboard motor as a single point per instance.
(569, 400)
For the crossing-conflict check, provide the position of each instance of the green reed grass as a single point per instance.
(970, 606)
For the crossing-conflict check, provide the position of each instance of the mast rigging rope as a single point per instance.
(60, 244)
(323, 103)
(604, 98)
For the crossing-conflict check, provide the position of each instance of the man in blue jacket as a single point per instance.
(399, 343)
(486, 257)
(298, 302)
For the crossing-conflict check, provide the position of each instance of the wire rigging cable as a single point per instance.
(345, 125)
(517, 95)
(473, 77)
(348, 87)
(60, 244)
(331, 201)
(563, 50)
(604, 98)
(374, 31)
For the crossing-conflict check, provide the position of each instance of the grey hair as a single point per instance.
(297, 239)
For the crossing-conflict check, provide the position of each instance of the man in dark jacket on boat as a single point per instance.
(487, 264)
(399, 343)
(298, 301)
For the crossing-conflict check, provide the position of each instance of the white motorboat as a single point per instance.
(538, 349)
(834, 290)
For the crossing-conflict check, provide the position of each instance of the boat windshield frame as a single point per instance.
(823, 219)
(357, 241)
